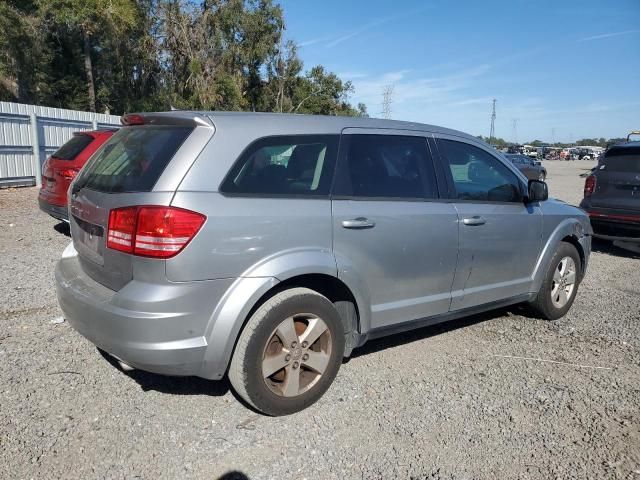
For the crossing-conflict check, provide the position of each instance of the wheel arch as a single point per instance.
(570, 230)
(315, 270)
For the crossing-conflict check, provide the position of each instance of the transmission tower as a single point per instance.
(514, 125)
(387, 94)
(493, 121)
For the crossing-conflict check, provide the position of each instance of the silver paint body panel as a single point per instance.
(182, 316)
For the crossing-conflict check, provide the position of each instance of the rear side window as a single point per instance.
(291, 165)
(133, 159)
(478, 175)
(622, 160)
(391, 166)
(73, 147)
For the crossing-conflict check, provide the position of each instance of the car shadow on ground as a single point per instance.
(233, 475)
(63, 228)
(379, 344)
(173, 385)
(605, 246)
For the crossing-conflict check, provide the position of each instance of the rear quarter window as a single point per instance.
(133, 159)
(73, 147)
(297, 165)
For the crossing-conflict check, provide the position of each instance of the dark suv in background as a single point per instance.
(612, 194)
(62, 167)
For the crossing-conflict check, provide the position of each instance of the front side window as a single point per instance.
(390, 166)
(478, 175)
(294, 165)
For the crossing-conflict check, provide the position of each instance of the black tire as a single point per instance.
(245, 370)
(543, 304)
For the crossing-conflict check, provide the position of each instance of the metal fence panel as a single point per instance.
(28, 128)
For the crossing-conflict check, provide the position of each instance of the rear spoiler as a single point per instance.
(178, 117)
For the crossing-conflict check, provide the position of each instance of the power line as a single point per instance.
(492, 132)
(387, 94)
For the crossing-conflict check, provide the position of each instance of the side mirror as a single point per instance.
(538, 191)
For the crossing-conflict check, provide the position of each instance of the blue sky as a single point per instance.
(565, 69)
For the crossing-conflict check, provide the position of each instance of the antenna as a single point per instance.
(514, 125)
(387, 93)
(492, 133)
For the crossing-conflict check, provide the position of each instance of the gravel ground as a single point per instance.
(493, 396)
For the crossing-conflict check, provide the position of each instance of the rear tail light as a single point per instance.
(152, 231)
(589, 185)
(68, 173)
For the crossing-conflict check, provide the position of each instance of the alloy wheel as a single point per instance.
(296, 355)
(564, 282)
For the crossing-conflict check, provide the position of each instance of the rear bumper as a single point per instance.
(56, 211)
(612, 224)
(160, 328)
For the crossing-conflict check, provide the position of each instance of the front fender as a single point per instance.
(569, 227)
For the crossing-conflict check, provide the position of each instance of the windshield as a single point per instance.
(133, 159)
(622, 160)
(73, 147)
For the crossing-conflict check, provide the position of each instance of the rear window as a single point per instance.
(133, 159)
(73, 147)
(622, 160)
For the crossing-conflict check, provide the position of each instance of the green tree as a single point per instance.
(90, 19)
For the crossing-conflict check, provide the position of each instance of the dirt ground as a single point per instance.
(493, 396)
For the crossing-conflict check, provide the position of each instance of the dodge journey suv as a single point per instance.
(267, 247)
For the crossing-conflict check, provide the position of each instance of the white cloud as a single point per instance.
(607, 35)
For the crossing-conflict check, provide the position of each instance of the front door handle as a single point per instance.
(358, 223)
(475, 220)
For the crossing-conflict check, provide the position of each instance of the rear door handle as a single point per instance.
(475, 220)
(358, 223)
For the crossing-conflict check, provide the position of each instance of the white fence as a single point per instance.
(29, 134)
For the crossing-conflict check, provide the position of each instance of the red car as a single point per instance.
(62, 167)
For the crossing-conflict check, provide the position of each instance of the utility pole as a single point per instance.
(553, 135)
(492, 132)
(514, 124)
(387, 100)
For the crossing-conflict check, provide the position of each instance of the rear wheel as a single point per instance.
(559, 288)
(289, 352)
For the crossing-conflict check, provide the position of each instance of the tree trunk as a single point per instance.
(88, 68)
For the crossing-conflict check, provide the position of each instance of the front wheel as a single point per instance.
(289, 352)
(559, 288)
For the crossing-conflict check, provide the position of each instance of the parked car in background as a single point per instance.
(63, 165)
(268, 247)
(531, 168)
(612, 194)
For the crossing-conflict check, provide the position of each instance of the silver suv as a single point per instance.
(267, 247)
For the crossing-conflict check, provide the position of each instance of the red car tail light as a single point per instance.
(152, 231)
(589, 185)
(68, 173)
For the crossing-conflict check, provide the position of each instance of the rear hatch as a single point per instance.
(60, 169)
(123, 173)
(618, 179)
